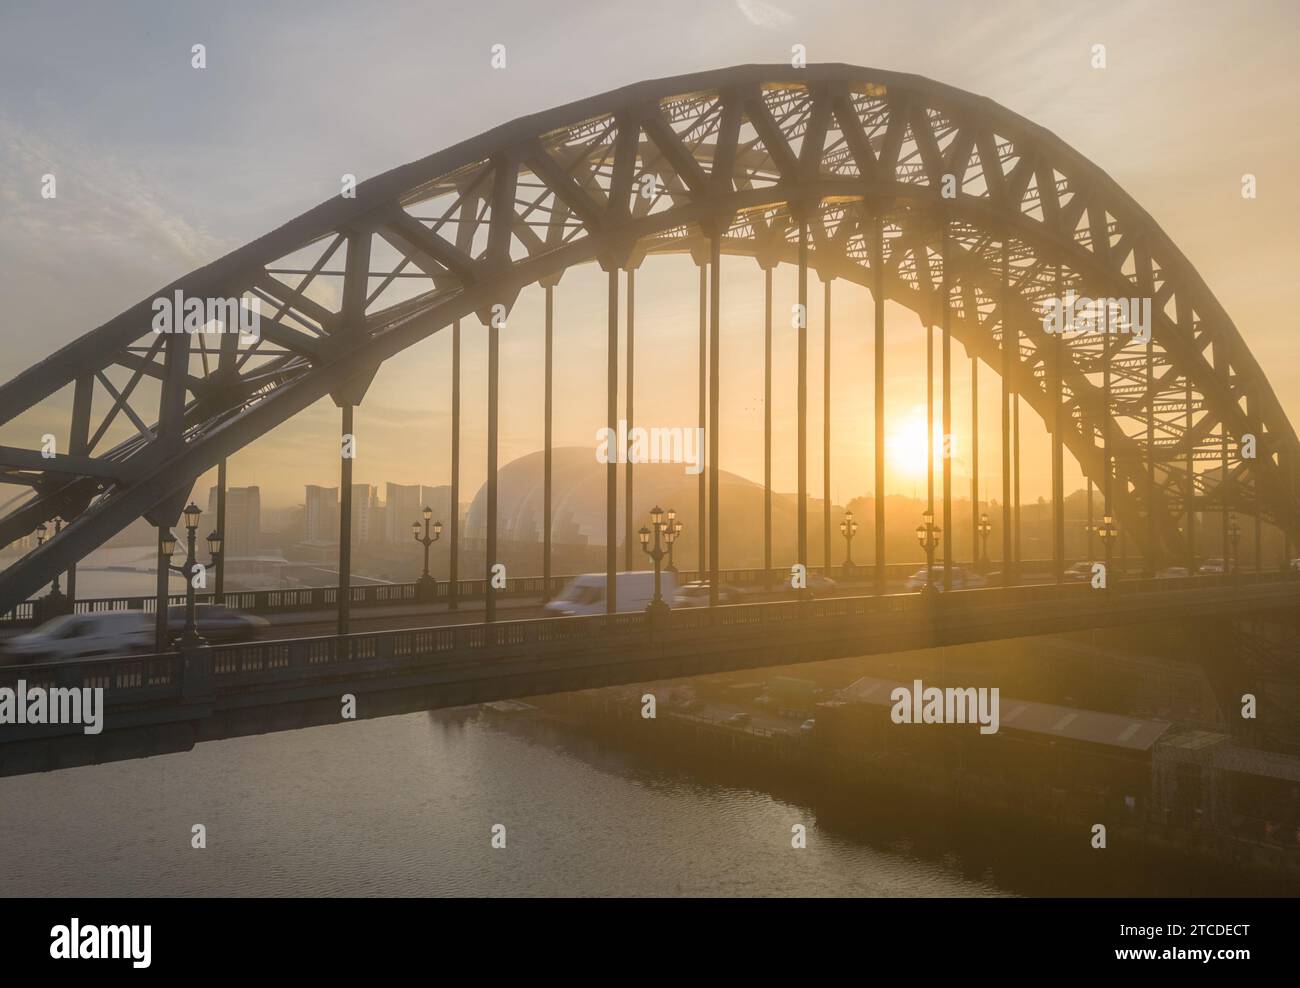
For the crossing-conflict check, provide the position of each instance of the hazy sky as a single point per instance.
(162, 168)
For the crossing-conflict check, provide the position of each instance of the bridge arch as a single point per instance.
(747, 155)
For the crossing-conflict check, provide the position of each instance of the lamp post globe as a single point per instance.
(848, 529)
(426, 587)
(657, 542)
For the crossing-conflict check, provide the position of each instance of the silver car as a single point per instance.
(216, 623)
(962, 579)
(696, 594)
(78, 636)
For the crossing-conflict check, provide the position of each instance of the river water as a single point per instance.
(406, 805)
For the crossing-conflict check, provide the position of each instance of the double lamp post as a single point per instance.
(190, 637)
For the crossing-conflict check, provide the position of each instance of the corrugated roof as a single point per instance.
(1091, 726)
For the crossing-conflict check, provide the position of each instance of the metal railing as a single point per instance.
(142, 678)
(297, 599)
(307, 599)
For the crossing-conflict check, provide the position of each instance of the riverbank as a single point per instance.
(1032, 846)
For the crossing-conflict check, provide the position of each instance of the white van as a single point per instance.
(585, 594)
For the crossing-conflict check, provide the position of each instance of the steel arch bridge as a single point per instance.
(836, 166)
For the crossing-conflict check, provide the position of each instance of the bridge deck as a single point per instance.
(168, 702)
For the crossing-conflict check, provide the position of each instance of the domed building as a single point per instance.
(578, 508)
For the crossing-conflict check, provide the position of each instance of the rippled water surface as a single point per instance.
(405, 806)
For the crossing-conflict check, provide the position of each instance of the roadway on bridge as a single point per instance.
(404, 616)
(396, 617)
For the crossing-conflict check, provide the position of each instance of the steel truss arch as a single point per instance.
(742, 154)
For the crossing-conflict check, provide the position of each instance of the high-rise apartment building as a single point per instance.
(321, 514)
(242, 535)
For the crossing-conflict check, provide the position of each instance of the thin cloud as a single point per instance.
(116, 207)
(764, 15)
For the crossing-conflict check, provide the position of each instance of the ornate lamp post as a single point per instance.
(665, 534)
(848, 528)
(1107, 531)
(675, 527)
(928, 535)
(56, 601)
(985, 530)
(426, 587)
(190, 637)
(42, 533)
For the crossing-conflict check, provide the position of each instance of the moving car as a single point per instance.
(217, 624)
(739, 720)
(816, 584)
(79, 636)
(1080, 572)
(820, 583)
(83, 636)
(1211, 567)
(633, 591)
(696, 594)
(962, 579)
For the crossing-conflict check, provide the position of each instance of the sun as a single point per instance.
(905, 446)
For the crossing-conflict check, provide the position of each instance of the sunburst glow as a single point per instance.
(905, 453)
